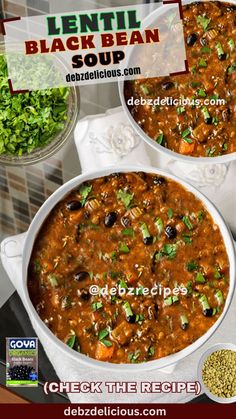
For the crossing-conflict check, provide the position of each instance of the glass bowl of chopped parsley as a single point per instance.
(36, 124)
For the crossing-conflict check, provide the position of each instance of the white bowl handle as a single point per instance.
(12, 247)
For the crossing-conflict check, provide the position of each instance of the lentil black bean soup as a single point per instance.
(199, 129)
(129, 230)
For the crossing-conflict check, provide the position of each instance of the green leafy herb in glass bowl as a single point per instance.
(33, 125)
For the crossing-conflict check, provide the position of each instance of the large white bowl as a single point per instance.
(167, 152)
(43, 331)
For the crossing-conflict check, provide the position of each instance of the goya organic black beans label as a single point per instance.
(21, 361)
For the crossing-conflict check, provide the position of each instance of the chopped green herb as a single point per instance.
(202, 63)
(113, 256)
(157, 256)
(139, 290)
(217, 274)
(144, 89)
(71, 341)
(170, 213)
(210, 151)
(113, 299)
(189, 287)
(139, 318)
(204, 302)
(127, 308)
(169, 250)
(125, 197)
(215, 120)
(160, 138)
(201, 93)
(200, 216)
(103, 334)
(124, 248)
(37, 266)
(159, 225)
(214, 97)
(186, 132)
(225, 147)
(106, 342)
(185, 135)
(122, 284)
(231, 44)
(194, 69)
(187, 222)
(171, 300)
(206, 50)
(84, 191)
(204, 22)
(53, 280)
(192, 266)
(144, 230)
(200, 278)
(151, 351)
(188, 140)
(180, 110)
(184, 321)
(231, 69)
(133, 356)
(187, 238)
(114, 274)
(96, 306)
(195, 84)
(128, 232)
(219, 297)
(205, 113)
(219, 50)
(175, 299)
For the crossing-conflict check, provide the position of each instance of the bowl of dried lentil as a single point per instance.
(217, 372)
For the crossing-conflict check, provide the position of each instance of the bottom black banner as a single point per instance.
(22, 411)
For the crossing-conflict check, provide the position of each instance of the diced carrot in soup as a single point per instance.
(103, 352)
(186, 148)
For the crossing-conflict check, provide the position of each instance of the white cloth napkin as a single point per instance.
(101, 141)
(108, 139)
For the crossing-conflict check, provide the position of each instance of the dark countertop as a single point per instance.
(15, 322)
